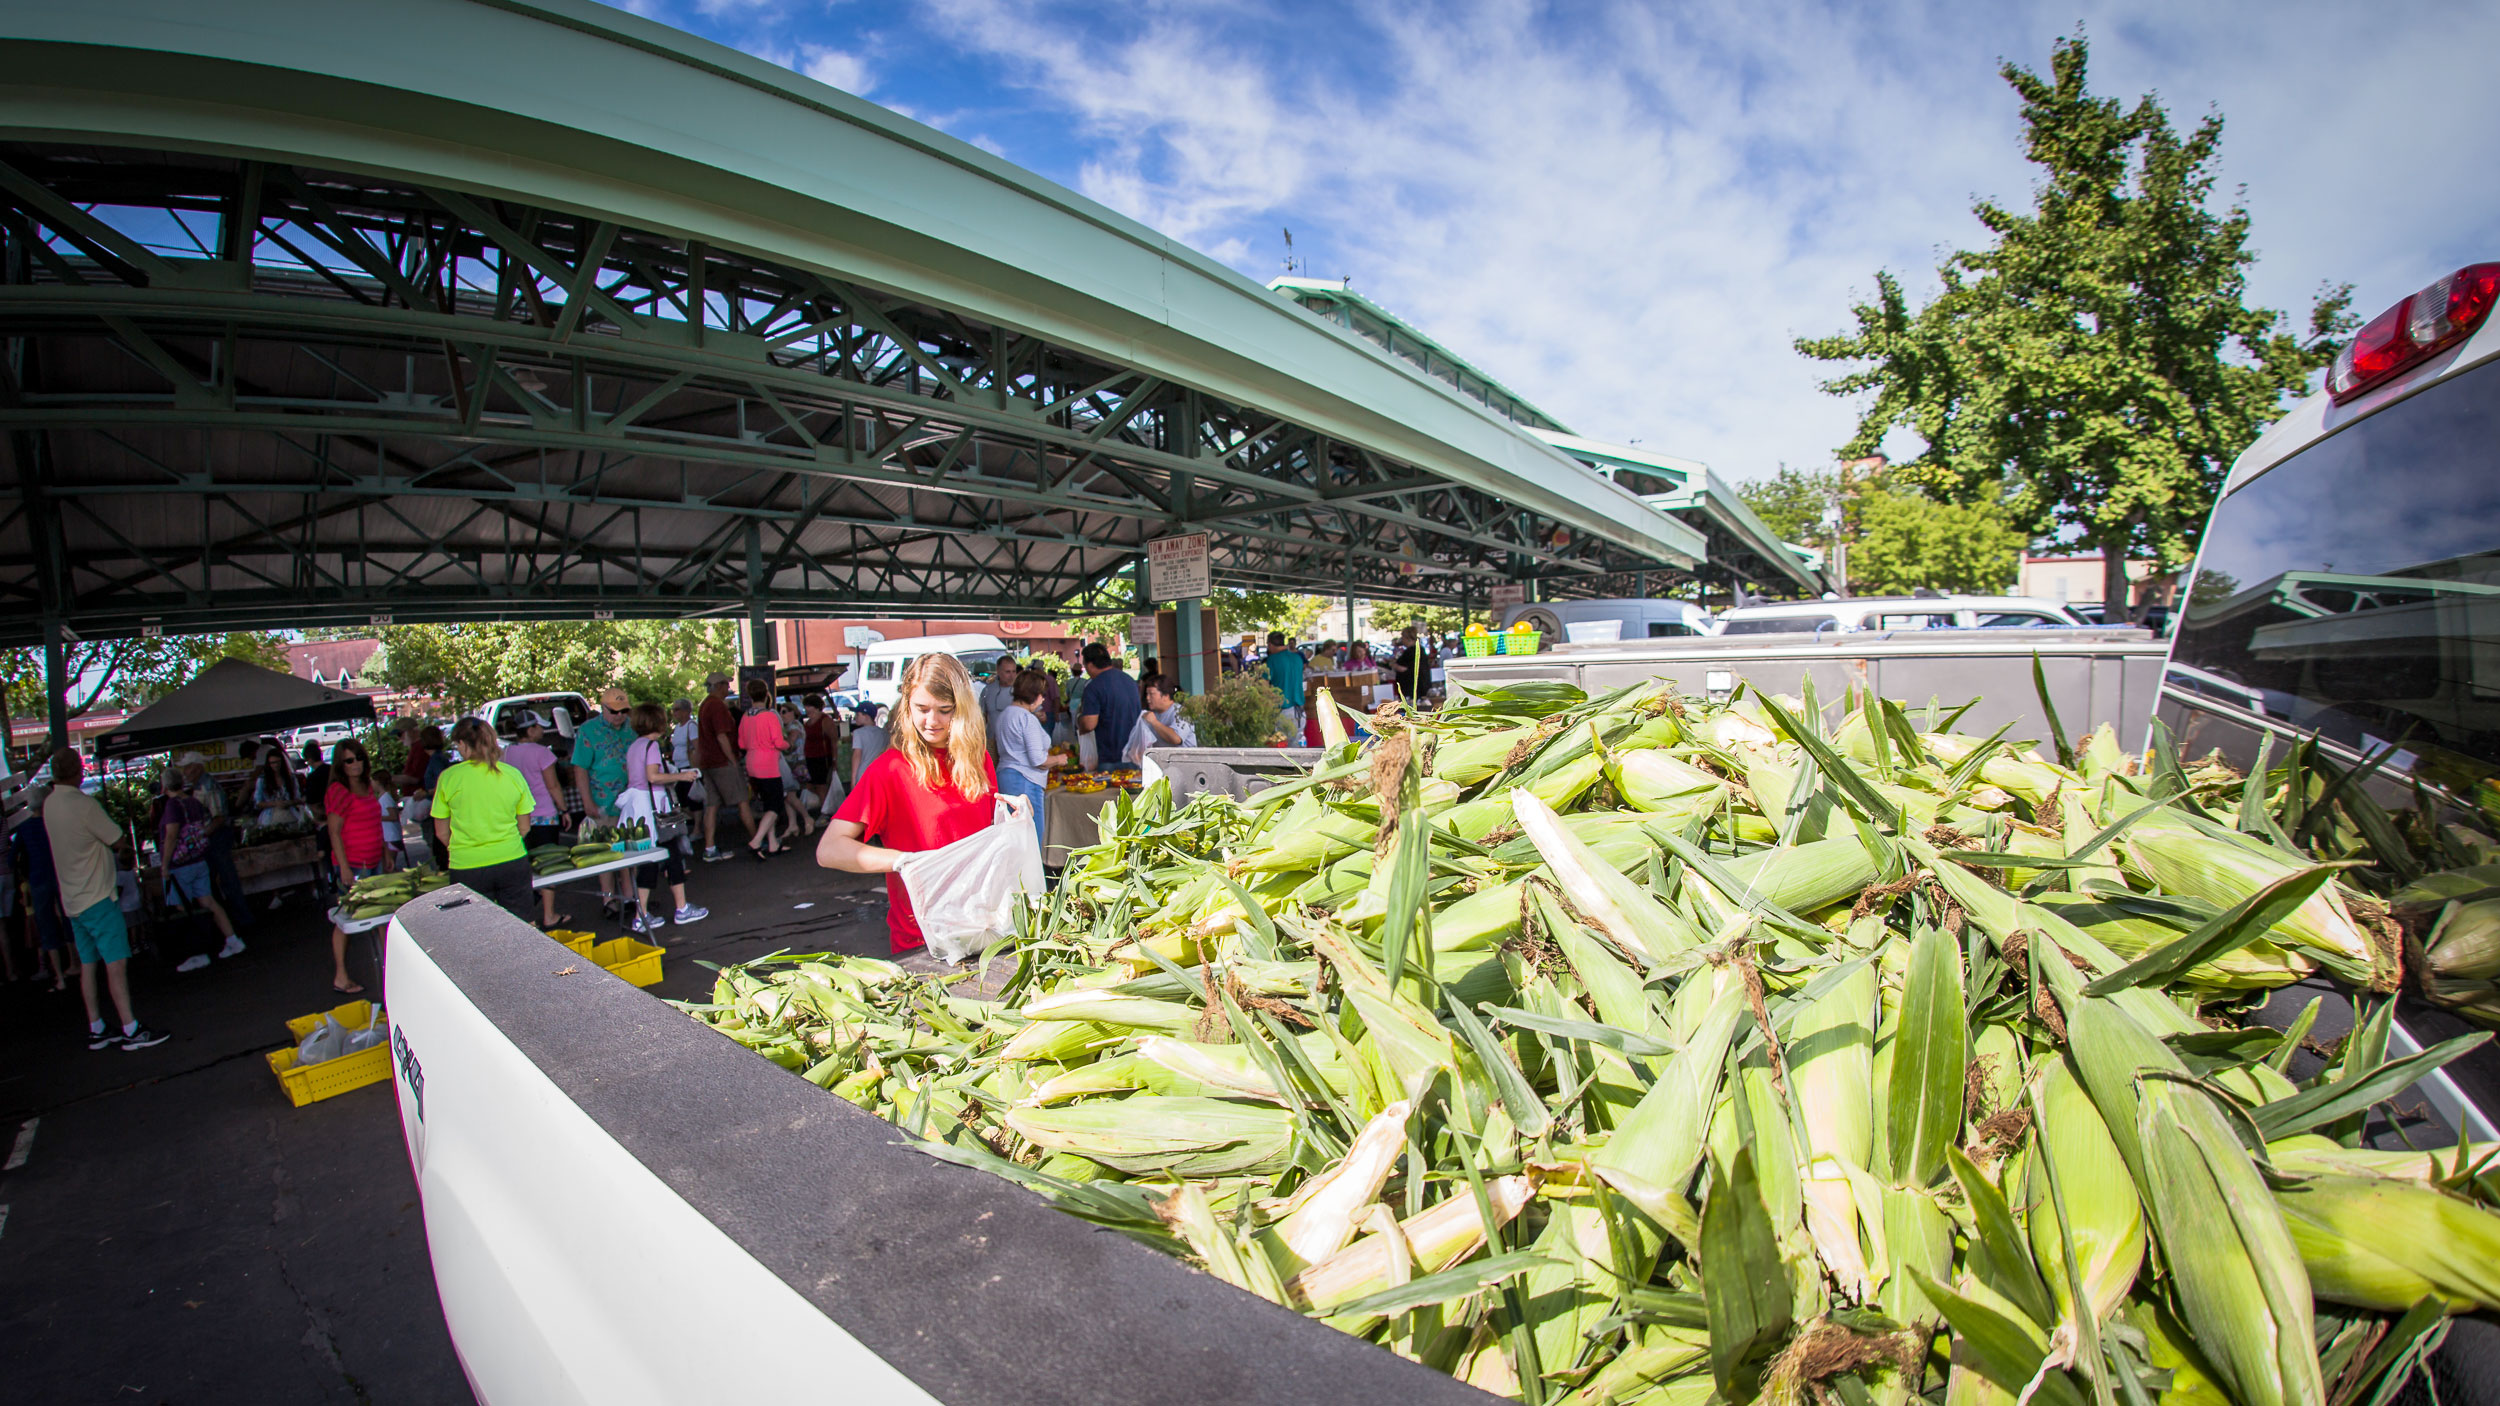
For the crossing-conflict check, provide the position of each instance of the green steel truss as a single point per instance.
(241, 393)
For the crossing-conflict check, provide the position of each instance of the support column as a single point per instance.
(1189, 642)
(55, 684)
(759, 625)
(1349, 595)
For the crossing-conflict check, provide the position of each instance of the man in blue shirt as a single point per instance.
(1110, 706)
(1284, 667)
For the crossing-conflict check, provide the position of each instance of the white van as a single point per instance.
(1627, 619)
(1924, 612)
(881, 665)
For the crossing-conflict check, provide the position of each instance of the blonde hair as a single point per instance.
(967, 740)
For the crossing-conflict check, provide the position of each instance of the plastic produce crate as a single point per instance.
(1516, 642)
(311, 1083)
(636, 962)
(580, 942)
(1479, 646)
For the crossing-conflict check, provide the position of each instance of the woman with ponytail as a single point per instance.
(933, 785)
(482, 808)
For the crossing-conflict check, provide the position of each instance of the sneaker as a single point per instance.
(143, 1037)
(649, 922)
(692, 914)
(233, 947)
(193, 962)
(715, 855)
(103, 1039)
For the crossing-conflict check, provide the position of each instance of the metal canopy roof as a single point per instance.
(1736, 545)
(446, 308)
(1740, 543)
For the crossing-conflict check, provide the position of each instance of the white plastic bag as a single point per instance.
(327, 1041)
(368, 1037)
(965, 894)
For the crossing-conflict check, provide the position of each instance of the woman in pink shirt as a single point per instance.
(760, 737)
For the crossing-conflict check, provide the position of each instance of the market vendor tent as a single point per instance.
(231, 699)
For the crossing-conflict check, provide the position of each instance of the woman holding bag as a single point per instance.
(648, 796)
(932, 786)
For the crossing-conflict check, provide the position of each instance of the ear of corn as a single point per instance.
(1683, 1089)
(2184, 858)
(2106, 1217)
(2380, 1243)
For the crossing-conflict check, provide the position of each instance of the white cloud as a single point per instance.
(836, 68)
(1628, 217)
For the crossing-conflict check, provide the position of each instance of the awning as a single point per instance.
(231, 699)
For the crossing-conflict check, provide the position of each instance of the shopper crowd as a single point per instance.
(737, 770)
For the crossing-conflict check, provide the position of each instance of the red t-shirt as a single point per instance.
(900, 813)
(711, 723)
(360, 824)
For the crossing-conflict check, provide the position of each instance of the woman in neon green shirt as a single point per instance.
(482, 809)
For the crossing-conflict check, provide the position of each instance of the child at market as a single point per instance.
(933, 786)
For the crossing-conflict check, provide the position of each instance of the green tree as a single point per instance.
(1900, 541)
(129, 673)
(2097, 367)
(1792, 503)
(1391, 616)
(1105, 612)
(652, 660)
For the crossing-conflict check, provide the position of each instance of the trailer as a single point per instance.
(2093, 674)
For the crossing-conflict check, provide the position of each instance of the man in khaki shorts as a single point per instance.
(716, 756)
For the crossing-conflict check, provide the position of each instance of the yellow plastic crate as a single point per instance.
(312, 1083)
(636, 962)
(581, 942)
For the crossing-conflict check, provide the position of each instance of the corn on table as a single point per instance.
(633, 860)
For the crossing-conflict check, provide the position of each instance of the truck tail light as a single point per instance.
(2438, 317)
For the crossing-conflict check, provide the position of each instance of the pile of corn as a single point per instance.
(378, 895)
(1626, 1049)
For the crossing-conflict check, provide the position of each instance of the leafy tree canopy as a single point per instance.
(2097, 367)
(1105, 613)
(1391, 616)
(1902, 541)
(130, 673)
(1792, 502)
(652, 660)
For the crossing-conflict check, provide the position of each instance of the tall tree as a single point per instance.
(1901, 541)
(129, 673)
(1105, 612)
(652, 660)
(1792, 502)
(2096, 368)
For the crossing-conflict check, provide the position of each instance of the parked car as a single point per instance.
(1632, 619)
(322, 735)
(1928, 612)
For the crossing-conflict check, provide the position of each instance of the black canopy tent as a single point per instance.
(231, 699)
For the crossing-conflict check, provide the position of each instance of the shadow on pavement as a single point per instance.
(178, 1232)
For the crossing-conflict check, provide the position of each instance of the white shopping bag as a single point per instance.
(965, 894)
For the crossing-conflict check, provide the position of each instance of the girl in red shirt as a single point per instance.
(933, 785)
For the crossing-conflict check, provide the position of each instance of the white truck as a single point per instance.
(623, 1207)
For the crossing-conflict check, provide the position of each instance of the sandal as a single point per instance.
(350, 989)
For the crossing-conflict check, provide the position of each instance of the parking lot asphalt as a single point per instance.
(178, 1232)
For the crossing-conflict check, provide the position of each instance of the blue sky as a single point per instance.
(1627, 212)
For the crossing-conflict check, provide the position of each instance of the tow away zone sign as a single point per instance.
(1176, 567)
